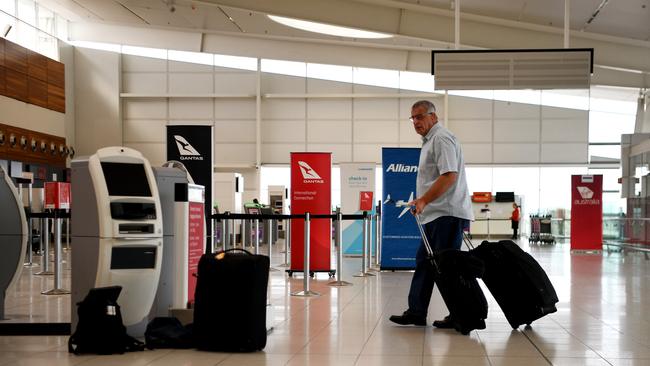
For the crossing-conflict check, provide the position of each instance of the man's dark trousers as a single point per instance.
(445, 232)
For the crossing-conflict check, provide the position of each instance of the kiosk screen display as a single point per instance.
(125, 179)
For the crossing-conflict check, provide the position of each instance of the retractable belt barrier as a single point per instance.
(226, 219)
(57, 216)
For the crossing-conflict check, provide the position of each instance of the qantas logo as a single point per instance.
(401, 168)
(187, 151)
(308, 173)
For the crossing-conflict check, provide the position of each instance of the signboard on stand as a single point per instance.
(586, 212)
(400, 234)
(357, 191)
(311, 191)
(195, 236)
(193, 146)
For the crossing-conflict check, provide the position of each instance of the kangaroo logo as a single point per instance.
(307, 171)
(585, 193)
(184, 147)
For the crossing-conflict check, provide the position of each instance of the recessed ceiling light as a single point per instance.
(322, 28)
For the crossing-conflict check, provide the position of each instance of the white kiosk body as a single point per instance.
(13, 237)
(117, 230)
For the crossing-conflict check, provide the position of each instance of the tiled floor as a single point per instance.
(601, 320)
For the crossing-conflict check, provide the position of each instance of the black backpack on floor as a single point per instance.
(99, 328)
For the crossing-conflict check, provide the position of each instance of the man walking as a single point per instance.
(443, 203)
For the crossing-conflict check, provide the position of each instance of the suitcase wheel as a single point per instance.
(332, 274)
(311, 274)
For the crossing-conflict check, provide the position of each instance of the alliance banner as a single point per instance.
(357, 191)
(400, 234)
(586, 212)
(311, 191)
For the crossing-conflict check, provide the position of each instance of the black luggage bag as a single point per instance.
(517, 282)
(230, 302)
(455, 274)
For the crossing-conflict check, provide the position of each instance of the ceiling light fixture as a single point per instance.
(322, 28)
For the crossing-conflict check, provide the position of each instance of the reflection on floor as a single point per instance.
(601, 320)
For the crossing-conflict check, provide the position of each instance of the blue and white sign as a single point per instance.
(356, 179)
(400, 234)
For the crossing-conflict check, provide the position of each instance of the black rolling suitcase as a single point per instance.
(230, 302)
(455, 275)
(517, 282)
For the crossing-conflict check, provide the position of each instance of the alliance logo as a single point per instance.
(187, 151)
(401, 168)
(585, 193)
(308, 173)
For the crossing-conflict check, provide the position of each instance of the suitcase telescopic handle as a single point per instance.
(427, 246)
(236, 250)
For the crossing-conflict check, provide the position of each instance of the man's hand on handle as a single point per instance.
(417, 206)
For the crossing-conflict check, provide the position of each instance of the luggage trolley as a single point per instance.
(540, 230)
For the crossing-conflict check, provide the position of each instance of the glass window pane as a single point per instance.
(61, 28)
(330, 72)
(236, 62)
(523, 181)
(610, 178)
(376, 77)
(274, 176)
(47, 45)
(555, 188)
(8, 6)
(46, 20)
(600, 153)
(568, 98)
(97, 45)
(479, 179)
(27, 11)
(519, 96)
(145, 52)
(284, 67)
(193, 57)
(608, 127)
(418, 81)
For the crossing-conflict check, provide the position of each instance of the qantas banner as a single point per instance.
(311, 191)
(586, 212)
(400, 234)
(193, 146)
(357, 191)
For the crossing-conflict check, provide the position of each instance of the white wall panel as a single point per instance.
(234, 131)
(238, 153)
(234, 109)
(376, 131)
(329, 109)
(469, 108)
(145, 108)
(405, 105)
(565, 130)
(274, 83)
(283, 131)
(555, 112)
(132, 63)
(510, 110)
(279, 153)
(362, 89)
(477, 153)
(140, 130)
(471, 130)
(368, 152)
(144, 83)
(564, 153)
(340, 152)
(320, 131)
(511, 130)
(376, 109)
(190, 122)
(283, 109)
(178, 66)
(326, 86)
(186, 108)
(235, 83)
(516, 153)
(156, 153)
(407, 134)
(190, 83)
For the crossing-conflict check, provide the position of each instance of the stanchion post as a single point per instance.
(244, 233)
(233, 234)
(256, 228)
(379, 239)
(45, 243)
(222, 227)
(338, 236)
(287, 242)
(271, 228)
(57, 290)
(306, 292)
(364, 248)
(67, 234)
(372, 244)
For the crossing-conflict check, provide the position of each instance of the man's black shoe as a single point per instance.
(408, 319)
(446, 323)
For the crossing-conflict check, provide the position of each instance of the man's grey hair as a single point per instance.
(431, 108)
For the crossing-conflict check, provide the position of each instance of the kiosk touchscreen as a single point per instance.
(117, 230)
(13, 237)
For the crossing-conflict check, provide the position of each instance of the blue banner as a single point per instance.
(400, 234)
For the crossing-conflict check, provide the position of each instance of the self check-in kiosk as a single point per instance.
(117, 231)
(184, 237)
(13, 237)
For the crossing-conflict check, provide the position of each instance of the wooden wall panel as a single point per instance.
(37, 66)
(16, 85)
(3, 89)
(55, 73)
(33, 153)
(15, 57)
(2, 51)
(37, 92)
(55, 98)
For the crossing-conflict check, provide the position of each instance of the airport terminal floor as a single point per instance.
(601, 320)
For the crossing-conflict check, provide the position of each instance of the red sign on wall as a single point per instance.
(586, 212)
(365, 201)
(194, 245)
(311, 192)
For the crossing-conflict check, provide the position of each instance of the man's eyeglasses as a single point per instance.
(419, 117)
